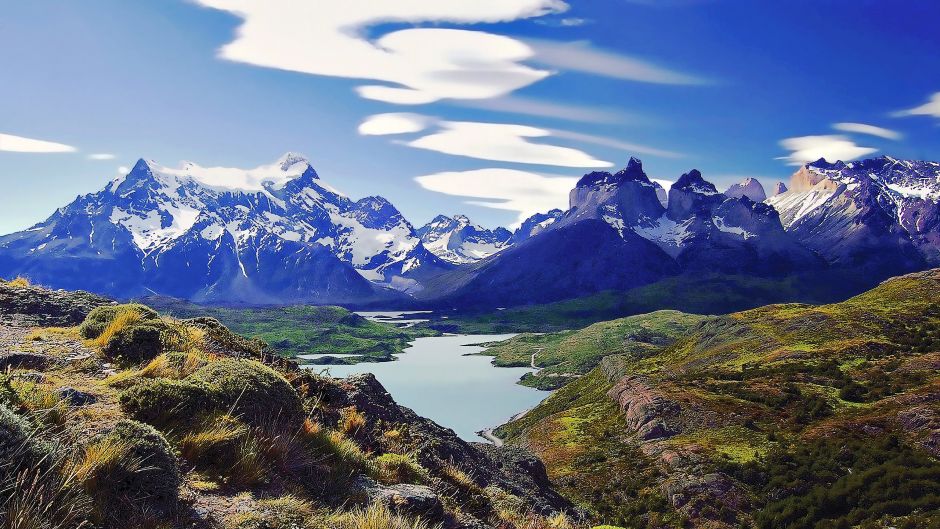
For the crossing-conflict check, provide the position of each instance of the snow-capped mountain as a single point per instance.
(535, 224)
(459, 241)
(880, 214)
(275, 233)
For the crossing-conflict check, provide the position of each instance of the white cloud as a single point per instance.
(871, 130)
(101, 156)
(633, 148)
(535, 107)
(502, 142)
(665, 183)
(123, 170)
(930, 108)
(11, 143)
(582, 57)
(832, 147)
(421, 64)
(394, 123)
(508, 189)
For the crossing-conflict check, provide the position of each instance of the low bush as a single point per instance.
(20, 448)
(169, 404)
(141, 342)
(130, 472)
(252, 391)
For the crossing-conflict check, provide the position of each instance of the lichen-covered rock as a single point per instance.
(406, 499)
(74, 397)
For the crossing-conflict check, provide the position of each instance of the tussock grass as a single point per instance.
(99, 460)
(43, 500)
(286, 512)
(398, 468)
(124, 318)
(377, 516)
(41, 402)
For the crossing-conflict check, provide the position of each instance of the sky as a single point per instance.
(490, 108)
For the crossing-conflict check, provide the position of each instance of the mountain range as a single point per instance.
(279, 234)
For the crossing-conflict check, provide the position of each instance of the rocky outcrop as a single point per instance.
(779, 188)
(647, 412)
(40, 306)
(512, 469)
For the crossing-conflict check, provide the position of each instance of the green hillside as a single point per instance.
(785, 416)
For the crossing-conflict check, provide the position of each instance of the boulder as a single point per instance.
(410, 500)
(75, 397)
(23, 360)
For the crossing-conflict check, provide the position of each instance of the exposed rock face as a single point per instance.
(41, 306)
(406, 499)
(750, 188)
(779, 188)
(651, 415)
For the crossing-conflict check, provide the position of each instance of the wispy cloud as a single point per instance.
(101, 156)
(565, 22)
(524, 192)
(581, 56)
(331, 39)
(535, 107)
(11, 143)
(832, 147)
(628, 147)
(503, 142)
(930, 108)
(871, 130)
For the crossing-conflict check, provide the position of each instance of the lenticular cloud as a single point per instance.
(420, 65)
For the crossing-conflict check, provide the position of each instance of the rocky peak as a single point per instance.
(695, 183)
(633, 172)
(779, 189)
(750, 188)
(692, 195)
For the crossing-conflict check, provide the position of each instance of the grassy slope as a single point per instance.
(698, 294)
(306, 329)
(757, 387)
(568, 354)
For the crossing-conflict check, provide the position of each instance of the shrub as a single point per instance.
(140, 342)
(397, 468)
(100, 318)
(221, 337)
(253, 391)
(166, 403)
(129, 472)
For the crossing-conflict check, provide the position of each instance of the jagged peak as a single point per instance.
(290, 159)
(693, 181)
(633, 172)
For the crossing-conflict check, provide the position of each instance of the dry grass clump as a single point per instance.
(43, 500)
(40, 401)
(377, 516)
(19, 282)
(351, 420)
(286, 512)
(123, 319)
(398, 468)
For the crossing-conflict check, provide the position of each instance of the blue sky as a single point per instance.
(487, 108)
